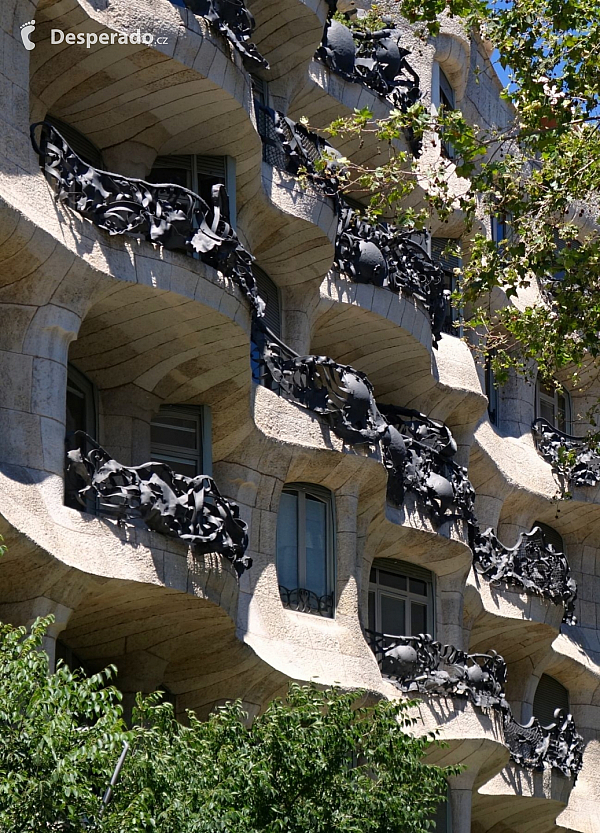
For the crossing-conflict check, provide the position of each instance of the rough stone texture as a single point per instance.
(152, 327)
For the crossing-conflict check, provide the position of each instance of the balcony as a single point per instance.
(420, 460)
(167, 215)
(190, 509)
(420, 664)
(376, 61)
(558, 746)
(571, 459)
(384, 255)
(232, 21)
(290, 147)
(531, 564)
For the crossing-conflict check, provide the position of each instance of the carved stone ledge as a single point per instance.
(189, 508)
(420, 664)
(569, 456)
(169, 215)
(531, 564)
(377, 61)
(384, 255)
(232, 20)
(538, 747)
(305, 601)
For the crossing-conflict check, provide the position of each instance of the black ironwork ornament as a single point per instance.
(188, 508)
(233, 20)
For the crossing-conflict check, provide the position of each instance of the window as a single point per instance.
(551, 536)
(260, 90)
(305, 549)
(199, 174)
(491, 391)
(554, 405)
(440, 254)
(400, 599)
(442, 95)
(180, 437)
(81, 415)
(269, 292)
(549, 696)
(83, 147)
(69, 658)
(443, 815)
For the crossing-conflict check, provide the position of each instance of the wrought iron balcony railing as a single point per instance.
(420, 460)
(232, 20)
(420, 664)
(538, 747)
(531, 564)
(339, 394)
(291, 147)
(384, 255)
(165, 214)
(377, 61)
(416, 451)
(305, 601)
(569, 456)
(189, 508)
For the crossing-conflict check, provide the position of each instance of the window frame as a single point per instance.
(328, 498)
(442, 94)
(165, 453)
(79, 384)
(492, 392)
(407, 570)
(542, 396)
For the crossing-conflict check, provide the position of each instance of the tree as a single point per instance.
(541, 175)
(314, 761)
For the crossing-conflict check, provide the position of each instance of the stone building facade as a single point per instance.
(381, 516)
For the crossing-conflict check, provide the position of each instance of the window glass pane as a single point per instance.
(287, 541)
(373, 575)
(547, 409)
(372, 625)
(418, 586)
(418, 619)
(164, 434)
(562, 412)
(392, 580)
(76, 411)
(173, 176)
(393, 612)
(316, 546)
(189, 468)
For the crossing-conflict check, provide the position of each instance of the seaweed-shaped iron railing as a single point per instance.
(233, 20)
(419, 663)
(189, 508)
(166, 214)
(531, 564)
(538, 747)
(570, 457)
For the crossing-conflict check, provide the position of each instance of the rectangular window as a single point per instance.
(305, 562)
(81, 415)
(440, 253)
(198, 174)
(400, 600)
(180, 437)
(491, 391)
(554, 405)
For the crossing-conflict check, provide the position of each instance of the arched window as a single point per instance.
(551, 536)
(554, 405)
(83, 147)
(400, 598)
(549, 696)
(305, 549)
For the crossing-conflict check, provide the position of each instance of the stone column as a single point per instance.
(461, 789)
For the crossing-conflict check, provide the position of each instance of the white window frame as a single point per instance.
(541, 396)
(202, 457)
(408, 571)
(327, 497)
